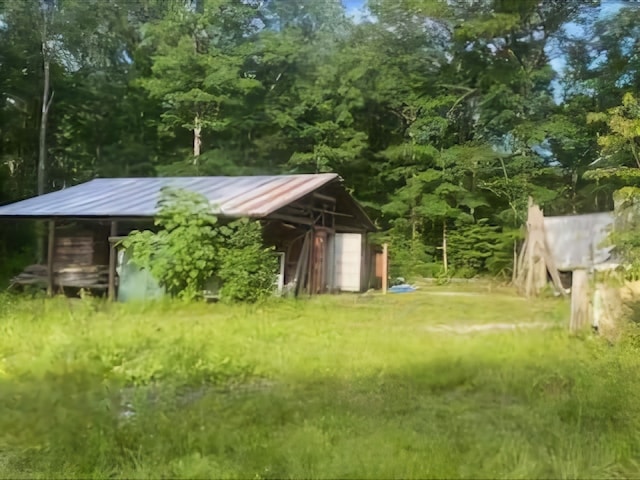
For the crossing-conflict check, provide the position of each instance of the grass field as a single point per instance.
(350, 386)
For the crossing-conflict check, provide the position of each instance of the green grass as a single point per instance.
(336, 387)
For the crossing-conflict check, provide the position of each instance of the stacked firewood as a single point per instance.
(85, 276)
(32, 275)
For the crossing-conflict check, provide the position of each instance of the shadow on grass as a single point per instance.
(442, 419)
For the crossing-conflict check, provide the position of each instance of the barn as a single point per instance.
(319, 230)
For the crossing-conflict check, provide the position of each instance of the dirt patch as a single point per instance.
(488, 327)
(455, 294)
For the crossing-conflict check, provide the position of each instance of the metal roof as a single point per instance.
(579, 241)
(248, 196)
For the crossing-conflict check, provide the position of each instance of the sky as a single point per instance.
(356, 9)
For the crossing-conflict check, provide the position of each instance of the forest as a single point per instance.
(442, 116)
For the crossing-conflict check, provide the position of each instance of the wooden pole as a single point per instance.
(385, 267)
(302, 262)
(50, 256)
(111, 289)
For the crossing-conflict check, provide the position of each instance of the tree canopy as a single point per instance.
(443, 117)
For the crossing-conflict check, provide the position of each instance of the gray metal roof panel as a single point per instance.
(254, 196)
(579, 241)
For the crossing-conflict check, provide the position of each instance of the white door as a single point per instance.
(348, 255)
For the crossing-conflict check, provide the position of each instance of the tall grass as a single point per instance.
(337, 387)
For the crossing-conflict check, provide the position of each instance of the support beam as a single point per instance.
(326, 198)
(111, 289)
(309, 208)
(303, 261)
(292, 218)
(50, 256)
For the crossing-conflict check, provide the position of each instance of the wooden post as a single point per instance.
(385, 267)
(579, 301)
(301, 268)
(111, 292)
(50, 256)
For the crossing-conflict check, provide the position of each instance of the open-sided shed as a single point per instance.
(318, 228)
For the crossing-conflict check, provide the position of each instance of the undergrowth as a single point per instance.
(344, 387)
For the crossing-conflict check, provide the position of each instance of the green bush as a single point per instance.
(190, 249)
(246, 268)
(625, 236)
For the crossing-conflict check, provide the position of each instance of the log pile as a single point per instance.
(75, 276)
(32, 275)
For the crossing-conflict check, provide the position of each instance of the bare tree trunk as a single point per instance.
(445, 262)
(197, 139)
(514, 272)
(46, 103)
(47, 97)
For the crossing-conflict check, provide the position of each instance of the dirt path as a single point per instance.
(488, 327)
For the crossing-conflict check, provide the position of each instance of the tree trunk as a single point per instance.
(414, 233)
(197, 140)
(514, 271)
(46, 103)
(445, 262)
(580, 314)
(42, 142)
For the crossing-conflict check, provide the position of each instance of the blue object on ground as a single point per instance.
(404, 288)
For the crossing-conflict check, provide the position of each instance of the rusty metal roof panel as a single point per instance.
(251, 196)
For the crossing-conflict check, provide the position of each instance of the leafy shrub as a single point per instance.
(246, 267)
(189, 249)
(184, 252)
(625, 236)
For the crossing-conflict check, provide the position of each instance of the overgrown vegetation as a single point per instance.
(340, 387)
(625, 235)
(190, 249)
(441, 116)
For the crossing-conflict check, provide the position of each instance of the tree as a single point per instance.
(621, 145)
(197, 69)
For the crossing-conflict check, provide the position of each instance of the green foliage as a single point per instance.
(621, 145)
(190, 249)
(410, 259)
(437, 113)
(246, 267)
(478, 247)
(185, 252)
(625, 237)
(318, 389)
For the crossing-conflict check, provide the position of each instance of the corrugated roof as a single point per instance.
(249, 196)
(577, 241)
